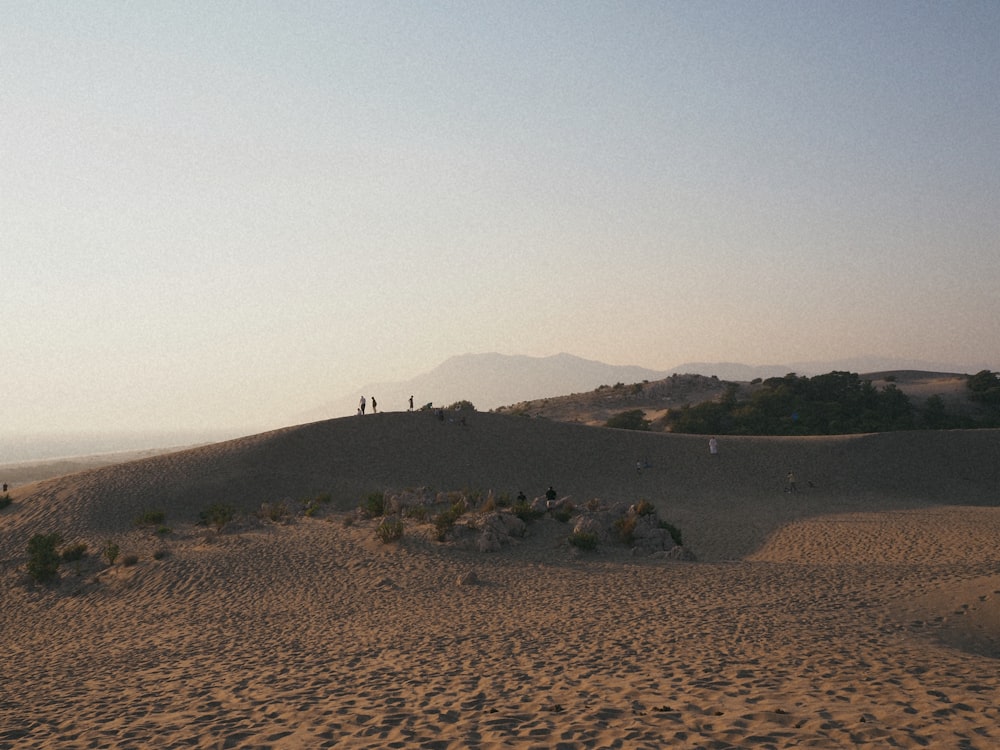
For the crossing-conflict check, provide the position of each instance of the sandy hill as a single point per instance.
(861, 611)
(351, 457)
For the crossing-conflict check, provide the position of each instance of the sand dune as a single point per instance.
(859, 611)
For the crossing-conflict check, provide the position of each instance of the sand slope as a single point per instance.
(860, 611)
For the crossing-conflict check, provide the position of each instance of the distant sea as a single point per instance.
(45, 447)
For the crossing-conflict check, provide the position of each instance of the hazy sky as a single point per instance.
(224, 213)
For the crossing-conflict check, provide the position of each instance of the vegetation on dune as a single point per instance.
(837, 402)
(984, 388)
(374, 505)
(217, 515)
(110, 552)
(634, 419)
(74, 552)
(584, 540)
(831, 404)
(487, 521)
(150, 517)
(390, 529)
(43, 559)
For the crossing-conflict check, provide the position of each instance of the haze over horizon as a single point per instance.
(215, 218)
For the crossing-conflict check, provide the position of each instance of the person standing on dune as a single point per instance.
(361, 408)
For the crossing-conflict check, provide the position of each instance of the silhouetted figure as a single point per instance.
(411, 403)
(361, 406)
(550, 494)
(790, 479)
(713, 447)
(374, 406)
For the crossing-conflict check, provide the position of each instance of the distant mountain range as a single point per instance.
(491, 380)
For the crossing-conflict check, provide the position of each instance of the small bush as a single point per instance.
(389, 530)
(74, 552)
(674, 532)
(160, 554)
(150, 518)
(274, 512)
(43, 560)
(348, 520)
(312, 505)
(417, 512)
(217, 515)
(445, 520)
(562, 514)
(525, 512)
(130, 560)
(585, 540)
(626, 528)
(110, 552)
(164, 530)
(645, 508)
(374, 505)
(629, 420)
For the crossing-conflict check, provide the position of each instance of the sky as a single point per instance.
(221, 214)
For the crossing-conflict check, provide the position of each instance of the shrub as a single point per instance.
(164, 530)
(585, 540)
(130, 560)
(217, 515)
(274, 512)
(110, 552)
(463, 404)
(374, 505)
(43, 560)
(674, 532)
(160, 554)
(150, 518)
(629, 420)
(5, 501)
(417, 512)
(313, 504)
(645, 508)
(445, 520)
(525, 512)
(562, 514)
(626, 528)
(74, 552)
(389, 530)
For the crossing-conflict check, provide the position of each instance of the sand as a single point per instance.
(860, 611)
